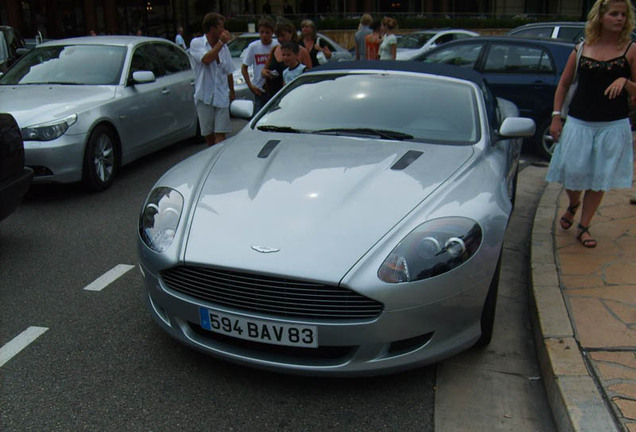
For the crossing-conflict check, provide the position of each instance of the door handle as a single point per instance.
(165, 91)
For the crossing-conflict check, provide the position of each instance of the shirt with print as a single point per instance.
(256, 56)
(210, 81)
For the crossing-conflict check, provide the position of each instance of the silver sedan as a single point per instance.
(87, 106)
(353, 227)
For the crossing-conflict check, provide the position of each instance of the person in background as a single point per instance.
(372, 41)
(256, 56)
(361, 35)
(388, 46)
(179, 38)
(594, 147)
(290, 50)
(213, 83)
(312, 43)
(287, 8)
(267, 8)
(273, 71)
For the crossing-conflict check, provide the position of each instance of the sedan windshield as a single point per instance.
(70, 64)
(376, 105)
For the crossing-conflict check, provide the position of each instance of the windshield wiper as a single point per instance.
(382, 133)
(59, 82)
(273, 128)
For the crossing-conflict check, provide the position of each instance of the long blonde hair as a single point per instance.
(593, 25)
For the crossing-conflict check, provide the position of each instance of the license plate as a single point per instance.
(259, 330)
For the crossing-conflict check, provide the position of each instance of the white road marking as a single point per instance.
(109, 277)
(20, 342)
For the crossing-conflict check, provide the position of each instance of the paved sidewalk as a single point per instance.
(585, 313)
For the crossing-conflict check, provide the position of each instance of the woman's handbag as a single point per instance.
(575, 82)
(322, 58)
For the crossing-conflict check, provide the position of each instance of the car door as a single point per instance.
(177, 87)
(522, 73)
(145, 110)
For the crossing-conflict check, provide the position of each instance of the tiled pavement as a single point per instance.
(585, 313)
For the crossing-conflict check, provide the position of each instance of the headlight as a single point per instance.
(160, 218)
(431, 249)
(48, 131)
(239, 80)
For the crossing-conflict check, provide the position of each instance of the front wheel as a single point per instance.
(544, 142)
(100, 159)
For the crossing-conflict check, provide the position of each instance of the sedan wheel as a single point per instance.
(100, 159)
(545, 143)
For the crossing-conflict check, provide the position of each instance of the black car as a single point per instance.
(15, 178)
(569, 31)
(523, 71)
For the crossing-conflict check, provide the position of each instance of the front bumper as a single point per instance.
(393, 341)
(56, 161)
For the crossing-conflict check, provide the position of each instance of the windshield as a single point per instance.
(381, 105)
(414, 41)
(70, 64)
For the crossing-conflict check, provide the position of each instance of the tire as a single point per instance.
(544, 143)
(101, 159)
(490, 307)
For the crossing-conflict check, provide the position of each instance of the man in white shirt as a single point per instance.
(179, 38)
(213, 83)
(256, 56)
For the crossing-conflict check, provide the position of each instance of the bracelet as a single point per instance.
(556, 113)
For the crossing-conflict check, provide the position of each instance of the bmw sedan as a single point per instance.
(524, 71)
(413, 44)
(87, 106)
(353, 227)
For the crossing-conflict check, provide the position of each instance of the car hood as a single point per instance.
(314, 205)
(40, 103)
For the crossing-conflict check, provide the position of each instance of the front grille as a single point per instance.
(271, 295)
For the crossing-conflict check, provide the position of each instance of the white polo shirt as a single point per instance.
(210, 81)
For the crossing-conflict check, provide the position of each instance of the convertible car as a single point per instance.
(353, 227)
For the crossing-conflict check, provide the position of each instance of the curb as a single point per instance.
(576, 402)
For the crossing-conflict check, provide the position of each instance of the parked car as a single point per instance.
(354, 226)
(237, 48)
(12, 46)
(524, 71)
(413, 44)
(15, 178)
(563, 30)
(88, 105)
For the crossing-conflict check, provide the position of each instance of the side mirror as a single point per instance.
(516, 127)
(21, 51)
(242, 108)
(143, 77)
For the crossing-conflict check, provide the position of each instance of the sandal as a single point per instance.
(589, 242)
(567, 223)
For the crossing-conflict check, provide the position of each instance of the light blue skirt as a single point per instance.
(593, 155)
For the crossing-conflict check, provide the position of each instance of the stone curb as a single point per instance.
(576, 402)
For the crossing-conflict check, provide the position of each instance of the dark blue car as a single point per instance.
(524, 71)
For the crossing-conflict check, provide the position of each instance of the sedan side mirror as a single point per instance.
(516, 127)
(242, 108)
(143, 77)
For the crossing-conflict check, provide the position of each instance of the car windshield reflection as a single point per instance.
(395, 107)
(70, 64)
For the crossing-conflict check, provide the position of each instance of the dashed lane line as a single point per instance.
(20, 342)
(109, 277)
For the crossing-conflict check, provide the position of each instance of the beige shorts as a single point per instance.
(213, 119)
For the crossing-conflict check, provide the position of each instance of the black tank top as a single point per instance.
(276, 83)
(589, 103)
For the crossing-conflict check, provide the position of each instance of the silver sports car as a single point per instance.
(88, 105)
(353, 227)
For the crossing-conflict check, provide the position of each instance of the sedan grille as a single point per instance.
(271, 295)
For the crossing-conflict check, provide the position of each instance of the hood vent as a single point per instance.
(406, 160)
(268, 148)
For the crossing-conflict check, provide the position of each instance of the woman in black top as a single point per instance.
(309, 39)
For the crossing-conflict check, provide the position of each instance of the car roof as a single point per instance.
(551, 24)
(506, 38)
(405, 66)
(104, 40)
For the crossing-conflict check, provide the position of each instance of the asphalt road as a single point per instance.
(94, 359)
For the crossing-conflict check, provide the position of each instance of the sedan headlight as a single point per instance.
(431, 249)
(160, 218)
(48, 131)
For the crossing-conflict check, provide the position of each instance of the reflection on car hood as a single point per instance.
(315, 203)
(34, 104)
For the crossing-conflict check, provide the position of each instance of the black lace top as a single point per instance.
(589, 103)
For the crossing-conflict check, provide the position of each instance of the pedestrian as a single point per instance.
(288, 10)
(256, 56)
(312, 43)
(290, 50)
(267, 8)
(213, 83)
(372, 41)
(273, 71)
(179, 38)
(360, 36)
(388, 46)
(594, 151)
